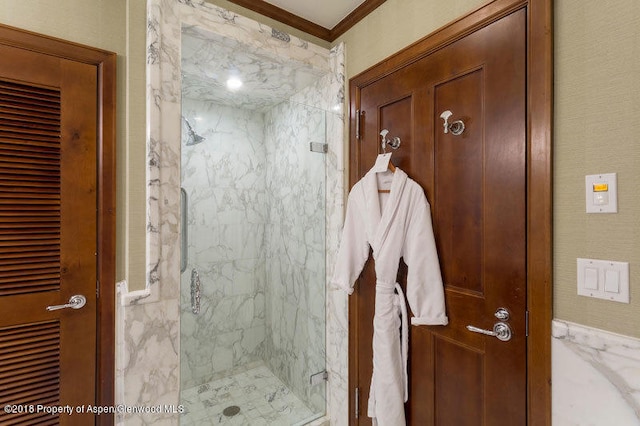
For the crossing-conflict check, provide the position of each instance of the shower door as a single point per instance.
(253, 280)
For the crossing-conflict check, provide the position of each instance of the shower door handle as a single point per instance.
(501, 330)
(184, 230)
(195, 291)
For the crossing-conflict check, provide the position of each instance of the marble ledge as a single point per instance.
(596, 339)
(135, 297)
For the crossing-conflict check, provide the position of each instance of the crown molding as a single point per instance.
(297, 22)
(358, 14)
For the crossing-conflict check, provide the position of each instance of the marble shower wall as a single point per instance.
(224, 178)
(596, 377)
(148, 359)
(295, 249)
(256, 213)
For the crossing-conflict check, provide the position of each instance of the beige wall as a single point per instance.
(133, 246)
(597, 130)
(118, 26)
(597, 105)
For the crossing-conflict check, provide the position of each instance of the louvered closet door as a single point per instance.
(47, 237)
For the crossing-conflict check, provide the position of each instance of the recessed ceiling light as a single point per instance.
(234, 83)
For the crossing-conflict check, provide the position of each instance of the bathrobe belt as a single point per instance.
(401, 307)
(401, 304)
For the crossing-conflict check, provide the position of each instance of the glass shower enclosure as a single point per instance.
(252, 340)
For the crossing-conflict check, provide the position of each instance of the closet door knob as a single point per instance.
(75, 302)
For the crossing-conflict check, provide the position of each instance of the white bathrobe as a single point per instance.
(394, 225)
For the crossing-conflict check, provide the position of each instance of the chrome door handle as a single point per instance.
(501, 330)
(75, 302)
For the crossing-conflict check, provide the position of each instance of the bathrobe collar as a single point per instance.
(379, 221)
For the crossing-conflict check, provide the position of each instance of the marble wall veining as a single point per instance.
(224, 178)
(295, 247)
(148, 364)
(256, 226)
(209, 58)
(596, 377)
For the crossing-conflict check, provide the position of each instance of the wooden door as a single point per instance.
(51, 219)
(476, 185)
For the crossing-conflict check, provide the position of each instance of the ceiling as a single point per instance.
(327, 13)
(209, 60)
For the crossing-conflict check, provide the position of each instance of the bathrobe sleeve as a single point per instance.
(354, 246)
(425, 292)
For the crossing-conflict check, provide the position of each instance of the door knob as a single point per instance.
(75, 302)
(501, 330)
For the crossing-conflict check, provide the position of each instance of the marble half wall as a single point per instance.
(595, 376)
(148, 346)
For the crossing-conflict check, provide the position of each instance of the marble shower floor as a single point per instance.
(263, 400)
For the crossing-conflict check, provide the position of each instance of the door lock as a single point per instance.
(75, 302)
(501, 330)
(502, 314)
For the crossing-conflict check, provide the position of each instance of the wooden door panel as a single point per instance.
(363, 319)
(421, 377)
(459, 379)
(476, 185)
(30, 355)
(79, 243)
(459, 184)
(48, 235)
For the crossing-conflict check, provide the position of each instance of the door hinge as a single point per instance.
(316, 379)
(319, 147)
(358, 114)
(526, 323)
(97, 289)
(357, 403)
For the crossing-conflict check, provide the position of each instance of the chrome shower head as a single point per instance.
(193, 138)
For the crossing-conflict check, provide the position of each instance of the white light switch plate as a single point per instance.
(601, 201)
(604, 279)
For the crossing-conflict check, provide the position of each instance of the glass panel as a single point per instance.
(255, 262)
(295, 291)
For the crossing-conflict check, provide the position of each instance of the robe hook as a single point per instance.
(393, 143)
(456, 127)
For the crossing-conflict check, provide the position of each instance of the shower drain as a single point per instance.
(231, 411)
